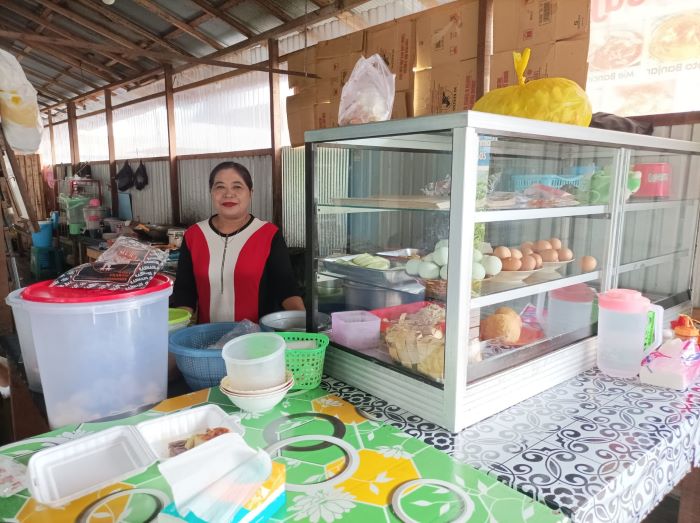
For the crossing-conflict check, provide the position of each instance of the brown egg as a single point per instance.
(526, 250)
(565, 254)
(588, 263)
(511, 264)
(515, 253)
(556, 243)
(549, 255)
(538, 260)
(526, 245)
(528, 263)
(501, 252)
(542, 245)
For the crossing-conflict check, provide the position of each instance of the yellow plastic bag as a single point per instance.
(557, 100)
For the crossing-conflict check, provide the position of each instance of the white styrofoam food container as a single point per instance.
(60, 474)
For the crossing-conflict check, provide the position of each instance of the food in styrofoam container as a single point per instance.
(443, 272)
(429, 270)
(441, 243)
(478, 256)
(179, 446)
(412, 266)
(492, 265)
(440, 256)
(478, 271)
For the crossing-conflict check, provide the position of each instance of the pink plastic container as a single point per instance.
(355, 329)
(656, 180)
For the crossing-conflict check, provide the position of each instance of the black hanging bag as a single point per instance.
(125, 177)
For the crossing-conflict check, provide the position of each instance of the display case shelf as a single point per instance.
(657, 205)
(652, 262)
(508, 215)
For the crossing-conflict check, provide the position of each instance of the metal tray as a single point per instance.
(400, 253)
(396, 275)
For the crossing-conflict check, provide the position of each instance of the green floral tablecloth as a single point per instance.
(360, 470)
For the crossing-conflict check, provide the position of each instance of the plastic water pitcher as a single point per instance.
(623, 320)
(570, 309)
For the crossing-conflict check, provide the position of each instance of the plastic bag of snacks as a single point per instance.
(18, 107)
(368, 95)
(552, 99)
(127, 265)
(241, 328)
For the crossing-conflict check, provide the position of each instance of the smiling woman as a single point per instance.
(234, 266)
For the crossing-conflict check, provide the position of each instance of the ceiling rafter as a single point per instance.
(48, 78)
(98, 28)
(179, 23)
(116, 17)
(54, 28)
(215, 12)
(200, 19)
(275, 10)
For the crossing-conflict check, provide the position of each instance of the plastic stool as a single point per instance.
(46, 263)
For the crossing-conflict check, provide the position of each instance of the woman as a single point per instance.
(234, 266)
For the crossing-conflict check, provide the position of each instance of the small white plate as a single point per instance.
(554, 266)
(513, 276)
(226, 387)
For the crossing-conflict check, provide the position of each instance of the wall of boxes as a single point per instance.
(433, 55)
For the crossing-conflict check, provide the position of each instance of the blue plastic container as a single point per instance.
(43, 237)
(201, 365)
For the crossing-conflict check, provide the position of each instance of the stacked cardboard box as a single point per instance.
(557, 32)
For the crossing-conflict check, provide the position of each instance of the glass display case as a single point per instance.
(460, 256)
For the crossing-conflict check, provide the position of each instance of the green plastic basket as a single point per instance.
(305, 364)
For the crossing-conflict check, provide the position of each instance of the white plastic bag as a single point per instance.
(368, 95)
(19, 111)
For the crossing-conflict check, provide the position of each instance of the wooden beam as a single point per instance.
(173, 20)
(311, 18)
(215, 12)
(274, 9)
(115, 17)
(165, 55)
(483, 47)
(275, 133)
(172, 144)
(19, 177)
(112, 156)
(73, 135)
(53, 161)
(54, 28)
(47, 92)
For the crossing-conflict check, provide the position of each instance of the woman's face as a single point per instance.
(230, 195)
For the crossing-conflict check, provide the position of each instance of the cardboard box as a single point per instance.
(525, 23)
(448, 34)
(334, 72)
(445, 89)
(304, 61)
(566, 59)
(402, 99)
(300, 115)
(396, 43)
(326, 114)
(351, 43)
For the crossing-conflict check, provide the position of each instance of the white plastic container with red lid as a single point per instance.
(100, 353)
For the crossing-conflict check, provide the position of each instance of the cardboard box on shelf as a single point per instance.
(303, 61)
(351, 43)
(445, 89)
(448, 34)
(334, 72)
(327, 90)
(525, 23)
(300, 115)
(565, 59)
(326, 114)
(396, 43)
(402, 99)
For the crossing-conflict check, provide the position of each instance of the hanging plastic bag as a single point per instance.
(557, 100)
(140, 177)
(19, 111)
(368, 95)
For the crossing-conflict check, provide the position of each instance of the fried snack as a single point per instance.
(502, 327)
(510, 312)
(182, 445)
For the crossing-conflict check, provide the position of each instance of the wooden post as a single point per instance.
(112, 156)
(275, 133)
(172, 144)
(73, 135)
(53, 162)
(484, 47)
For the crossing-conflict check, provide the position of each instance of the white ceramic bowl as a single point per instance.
(228, 388)
(554, 266)
(512, 276)
(259, 403)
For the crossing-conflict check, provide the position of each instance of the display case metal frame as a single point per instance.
(457, 403)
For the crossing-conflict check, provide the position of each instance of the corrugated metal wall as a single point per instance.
(195, 201)
(152, 204)
(100, 171)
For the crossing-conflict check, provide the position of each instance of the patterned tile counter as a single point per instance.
(600, 449)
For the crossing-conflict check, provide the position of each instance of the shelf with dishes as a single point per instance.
(659, 204)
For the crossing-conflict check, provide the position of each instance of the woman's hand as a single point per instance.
(293, 303)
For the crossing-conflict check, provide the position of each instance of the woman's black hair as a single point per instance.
(240, 169)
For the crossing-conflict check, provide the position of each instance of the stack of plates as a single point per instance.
(256, 400)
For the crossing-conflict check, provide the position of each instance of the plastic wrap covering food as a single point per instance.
(557, 100)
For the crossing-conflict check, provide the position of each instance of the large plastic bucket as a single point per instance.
(26, 342)
(43, 237)
(101, 359)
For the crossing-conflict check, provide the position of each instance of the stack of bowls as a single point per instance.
(256, 378)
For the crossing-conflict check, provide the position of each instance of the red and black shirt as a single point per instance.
(232, 277)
